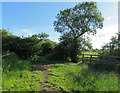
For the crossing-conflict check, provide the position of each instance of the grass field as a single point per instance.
(57, 76)
(81, 77)
(22, 79)
(67, 76)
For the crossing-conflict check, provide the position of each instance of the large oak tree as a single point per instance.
(74, 22)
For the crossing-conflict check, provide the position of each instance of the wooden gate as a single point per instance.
(100, 58)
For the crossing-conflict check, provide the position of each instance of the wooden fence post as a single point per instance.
(90, 58)
(83, 58)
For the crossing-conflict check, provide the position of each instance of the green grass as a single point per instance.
(92, 53)
(68, 76)
(22, 81)
(81, 77)
(21, 78)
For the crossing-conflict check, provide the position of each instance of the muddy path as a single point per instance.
(45, 86)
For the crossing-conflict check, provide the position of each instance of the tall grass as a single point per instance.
(17, 76)
(82, 77)
(9, 62)
(22, 81)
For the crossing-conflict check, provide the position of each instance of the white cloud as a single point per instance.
(103, 36)
(56, 40)
(108, 18)
(26, 32)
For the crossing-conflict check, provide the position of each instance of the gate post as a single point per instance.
(90, 58)
(83, 58)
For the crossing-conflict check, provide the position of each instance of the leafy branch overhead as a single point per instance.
(84, 17)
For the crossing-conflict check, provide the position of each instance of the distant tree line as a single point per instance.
(113, 47)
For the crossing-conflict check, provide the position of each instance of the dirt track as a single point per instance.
(42, 67)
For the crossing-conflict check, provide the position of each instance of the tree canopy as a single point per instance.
(112, 48)
(84, 17)
(74, 22)
(41, 36)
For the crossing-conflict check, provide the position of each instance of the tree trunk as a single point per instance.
(74, 51)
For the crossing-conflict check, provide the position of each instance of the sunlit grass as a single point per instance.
(22, 81)
(91, 53)
(68, 76)
(21, 78)
(81, 77)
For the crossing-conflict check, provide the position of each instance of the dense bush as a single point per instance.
(48, 47)
(59, 53)
(27, 47)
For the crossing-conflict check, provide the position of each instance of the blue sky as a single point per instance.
(28, 18)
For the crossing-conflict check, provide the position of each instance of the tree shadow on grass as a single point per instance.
(87, 78)
(105, 67)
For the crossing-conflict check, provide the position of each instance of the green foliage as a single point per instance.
(43, 51)
(9, 40)
(40, 36)
(82, 77)
(43, 35)
(22, 81)
(84, 17)
(48, 47)
(105, 67)
(60, 53)
(74, 22)
(37, 59)
(27, 47)
(65, 50)
(16, 75)
(38, 49)
(20, 46)
(5, 33)
(112, 48)
(9, 62)
(12, 63)
(44, 47)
